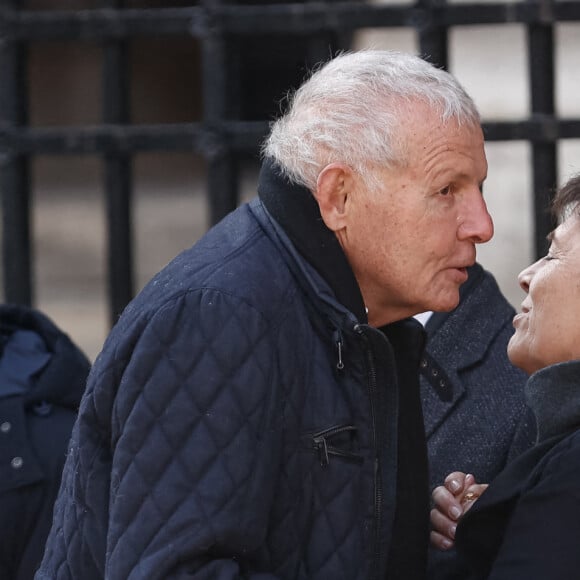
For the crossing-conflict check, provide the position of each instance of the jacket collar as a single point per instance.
(296, 211)
(553, 394)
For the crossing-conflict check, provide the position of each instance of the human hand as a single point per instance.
(452, 500)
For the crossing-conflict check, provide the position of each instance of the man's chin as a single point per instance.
(447, 304)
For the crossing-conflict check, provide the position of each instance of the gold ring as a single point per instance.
(470, 496)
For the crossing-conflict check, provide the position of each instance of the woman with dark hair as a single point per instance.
(526, 524)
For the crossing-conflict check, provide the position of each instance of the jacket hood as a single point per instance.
(38, 360)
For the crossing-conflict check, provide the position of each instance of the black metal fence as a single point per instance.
(230, 36)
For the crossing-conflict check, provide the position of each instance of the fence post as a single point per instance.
(544, 155)
(14, 167)
(433, 43)
(222, 171)
(118, 175)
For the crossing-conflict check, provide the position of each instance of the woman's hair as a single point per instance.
(567, 199)
(351, 111)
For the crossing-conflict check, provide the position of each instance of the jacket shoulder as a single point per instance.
(235, 258)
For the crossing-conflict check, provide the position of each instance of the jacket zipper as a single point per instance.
(378, 489)
(321, 444)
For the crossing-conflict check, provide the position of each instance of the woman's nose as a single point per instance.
(525, 277)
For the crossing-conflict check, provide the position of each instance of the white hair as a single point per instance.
(351, 109)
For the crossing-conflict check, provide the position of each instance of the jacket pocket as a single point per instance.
(339, 441)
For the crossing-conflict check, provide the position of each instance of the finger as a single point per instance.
(468, 500)
(471, 495)
(476, 488)
(447, 503)
(455, 482)
(474, 491)
(440, 542)
(443, 525)
(442, 496)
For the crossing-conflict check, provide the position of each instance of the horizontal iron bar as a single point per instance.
(232, 136)
(195, 137)
(295, 18)
(102, 23)
(538, 129)
(314, 17)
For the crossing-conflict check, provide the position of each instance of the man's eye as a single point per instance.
(548, 257)
(445, 190)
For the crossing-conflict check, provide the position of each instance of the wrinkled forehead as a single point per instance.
(567, 233)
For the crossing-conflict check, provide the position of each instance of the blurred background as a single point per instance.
(169, 189)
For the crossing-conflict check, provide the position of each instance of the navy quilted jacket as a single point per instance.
(240, 421)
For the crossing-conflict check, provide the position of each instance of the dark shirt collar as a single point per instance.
(24, 356)
(297, 212)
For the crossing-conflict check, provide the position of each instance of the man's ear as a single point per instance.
(333, 187)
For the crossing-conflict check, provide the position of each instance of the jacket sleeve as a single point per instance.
(196, 444)
(541, 539)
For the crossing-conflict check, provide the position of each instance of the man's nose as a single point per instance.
(476, 224)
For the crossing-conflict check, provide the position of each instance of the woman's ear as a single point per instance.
(333, 187)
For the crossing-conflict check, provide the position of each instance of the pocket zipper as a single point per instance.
(322, 444)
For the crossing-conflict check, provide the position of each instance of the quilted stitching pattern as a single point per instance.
(189, 457)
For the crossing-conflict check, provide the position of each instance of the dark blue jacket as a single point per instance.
(42, 378)
(476, 418)
(243, 420)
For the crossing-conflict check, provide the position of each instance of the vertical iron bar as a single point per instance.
(221, 167)
(14, 168)
(118, 177)
(322, 46)
(544, 154)
(433, 38)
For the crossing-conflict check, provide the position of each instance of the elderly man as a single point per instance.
(255, 412)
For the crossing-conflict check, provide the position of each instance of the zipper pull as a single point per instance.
(320, 443)
(338, 342)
